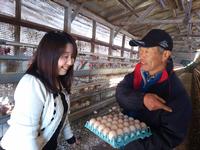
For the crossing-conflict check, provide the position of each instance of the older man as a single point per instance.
(153, 94)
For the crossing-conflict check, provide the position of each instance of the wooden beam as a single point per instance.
(89, 14)
(175, 16)
(75, 13)
(189, 29)
(17, 27)
(119, 15)
(197, 25)
(162, 3)
(146, 31)
(14, 21)
(189, 26)
(123, 45)
(138, 29)
(93, 36)
(67, 19)
(125, 13)
(183, 4)
(126, 5)
(172, 4)
(179, 5)
(165, 21)
(120, 28)
(187, 10)
(185, 35)
(111, 41)
(146, 12)
(132, 10)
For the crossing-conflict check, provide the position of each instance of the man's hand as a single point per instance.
(154, 102)
(77, 143)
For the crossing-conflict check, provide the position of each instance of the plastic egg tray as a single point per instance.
(122, 140)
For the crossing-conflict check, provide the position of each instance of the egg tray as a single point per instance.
(121, 141)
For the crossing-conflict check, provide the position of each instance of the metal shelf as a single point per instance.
(85, 111)
(15, 77)
(13, 43)
(18, 58)
(10, 77)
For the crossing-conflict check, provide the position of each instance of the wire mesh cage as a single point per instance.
(6, 105)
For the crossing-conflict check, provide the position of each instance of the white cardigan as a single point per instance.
(35, 109)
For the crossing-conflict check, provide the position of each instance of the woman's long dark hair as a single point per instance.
(45, 62)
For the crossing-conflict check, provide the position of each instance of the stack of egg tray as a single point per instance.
(121, 141)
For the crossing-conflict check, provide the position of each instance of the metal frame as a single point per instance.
(15, 77)
(90, 109)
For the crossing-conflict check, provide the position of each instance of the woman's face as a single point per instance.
(66, 60)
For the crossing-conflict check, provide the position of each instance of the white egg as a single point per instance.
(87, 103)
(126, 124)
(91, 122)
(105, 117)
(143, 125)
(131, 122)
(137, 121)
(120, 117)
(126, 130)
(106, 131)
(119, 132)
(112, 135)
(132, 128)
(130, 119)
(115, 115)
(126, 120)
(109, 120)
(125, 116)
(120, 126)
(103, 121)
(137, 126)
(115, 122)
(108, 124)
(95, 112)
(96, 124)
(114, 127)
(114, 108)
(99, 118)
(115, 118)
(110, 116)
(120, 121)
(101, 127)
(120, 114)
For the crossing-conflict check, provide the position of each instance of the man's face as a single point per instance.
(151, 59)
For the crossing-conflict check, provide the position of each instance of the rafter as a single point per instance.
(162, 3)
(146, 12)
(126, 5)
(175, 16)
(142, 16)
(165, 21)
(197, 25)
(75, 13)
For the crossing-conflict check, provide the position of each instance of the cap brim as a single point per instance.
(136, 43)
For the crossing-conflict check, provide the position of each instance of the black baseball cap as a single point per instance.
(155, 37)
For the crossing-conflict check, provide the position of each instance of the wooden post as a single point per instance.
(93, 36)
(17, 27)
(67, 19)
(111, 42)
(123, 45)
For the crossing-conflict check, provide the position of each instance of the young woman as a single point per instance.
(42, 97)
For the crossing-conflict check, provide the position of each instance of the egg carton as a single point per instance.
(120, 141)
